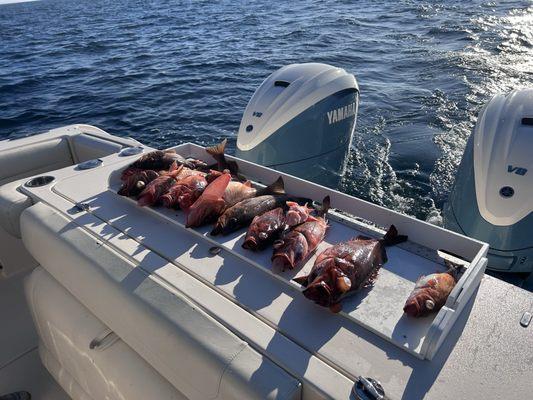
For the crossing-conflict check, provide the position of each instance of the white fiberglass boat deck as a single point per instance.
(149, 280)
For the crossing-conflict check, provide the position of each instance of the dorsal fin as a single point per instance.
(217, 151)
(276, 187)
(391, 237)
(326, 204)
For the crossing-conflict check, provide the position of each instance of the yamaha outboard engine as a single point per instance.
(492, 199)
(301, 121)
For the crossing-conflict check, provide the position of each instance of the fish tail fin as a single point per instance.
(276, 187)
(326, 204)
(217, 151)
(391, 237)
(453, 269)
(302, 280)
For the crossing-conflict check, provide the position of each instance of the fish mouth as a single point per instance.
(320, 293)
(412, 308)
(225, 226)
(250, 244)
(216, 230)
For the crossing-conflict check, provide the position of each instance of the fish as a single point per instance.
(242, 213)
(299, 242)
(217, 152)
(264, 228)
(136, 182)
(296, 214)
(151, 194)
(214, 174)
(185, 172)
(210, 204)
(237, 191)
(430, 293)
(347, 267)
(185, 192)
(161, 160)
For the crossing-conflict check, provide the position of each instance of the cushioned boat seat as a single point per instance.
(195, 353)
(111, 370)
(12, 203)
(34, 158)
(86, 147)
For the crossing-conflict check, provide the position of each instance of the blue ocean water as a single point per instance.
(166, 71)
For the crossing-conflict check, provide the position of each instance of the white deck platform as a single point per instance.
(371, 337)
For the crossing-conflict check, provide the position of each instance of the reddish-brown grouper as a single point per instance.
(185, 192)
(266, 227)
(263, 229)
(295, 245)
(347, 267)
(135, 182)
(210, 204)
(151, 195)
(430, 293)
(161, 160)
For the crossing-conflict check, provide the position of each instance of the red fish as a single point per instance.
(264, 228)
(301, 241)
(136, 181)
(151, 195)
(347, 267)
(185, 192)
(161, 160)
(296, 214)
(430, 293)
(210, 204)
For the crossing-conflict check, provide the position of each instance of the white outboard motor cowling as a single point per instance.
(492, 199)
(301, 121)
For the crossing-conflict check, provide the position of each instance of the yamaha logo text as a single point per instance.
(341, 113)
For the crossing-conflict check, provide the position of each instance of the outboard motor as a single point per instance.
(301, 121)
(492, 199)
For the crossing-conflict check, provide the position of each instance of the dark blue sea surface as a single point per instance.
(165, 72)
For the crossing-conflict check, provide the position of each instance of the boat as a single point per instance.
(103, 299)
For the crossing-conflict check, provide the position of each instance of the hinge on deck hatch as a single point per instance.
(104, 340)
(83, 207)
(368, 389)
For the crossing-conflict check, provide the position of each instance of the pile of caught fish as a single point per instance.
(219, 194)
